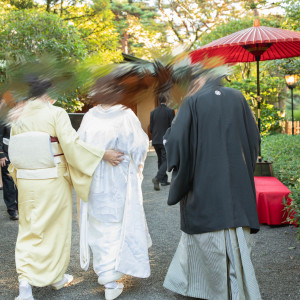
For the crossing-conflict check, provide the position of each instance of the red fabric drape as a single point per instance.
(269, 195)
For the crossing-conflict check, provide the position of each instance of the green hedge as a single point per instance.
(284, 151)
(297, 115)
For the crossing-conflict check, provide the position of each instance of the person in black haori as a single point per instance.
(212, 149)
(10, 193)
(160, 120)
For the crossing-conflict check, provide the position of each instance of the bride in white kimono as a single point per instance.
(112, 222)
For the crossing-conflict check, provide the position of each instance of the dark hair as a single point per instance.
(37, 87)
(162, 98)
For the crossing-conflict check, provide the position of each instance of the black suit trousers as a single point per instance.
(10, 193)
(162, 163)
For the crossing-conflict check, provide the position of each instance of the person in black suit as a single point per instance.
(10, 194)
(160, 120)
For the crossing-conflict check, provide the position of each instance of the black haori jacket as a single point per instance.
(212, 149)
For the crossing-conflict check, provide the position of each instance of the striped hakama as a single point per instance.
(214, 265)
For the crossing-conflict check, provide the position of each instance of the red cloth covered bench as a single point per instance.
(269, 196)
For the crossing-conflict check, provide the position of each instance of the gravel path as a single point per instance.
(276, 256)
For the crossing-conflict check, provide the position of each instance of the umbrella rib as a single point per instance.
(290, 47)
(245, 54)
(285, 35)
(257, 40)
(276, 52)
(282, 51)
(235, 37)
(230, 51)
(227, 40)
(286, 49)
(278, 33)
(239, 37)
(268, 35)
(232, 39)
(247, 34)
(267, 53)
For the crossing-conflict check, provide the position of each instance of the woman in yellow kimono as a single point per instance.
(45, 192)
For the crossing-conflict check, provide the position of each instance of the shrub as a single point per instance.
(297, 115)
(284, 151)
(271, 118)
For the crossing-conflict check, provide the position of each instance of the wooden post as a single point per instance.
(289, 125)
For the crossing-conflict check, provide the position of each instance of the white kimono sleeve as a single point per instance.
(138, 141)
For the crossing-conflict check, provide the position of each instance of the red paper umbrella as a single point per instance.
(252, 44)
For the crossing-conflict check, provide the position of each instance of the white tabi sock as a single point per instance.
(114, 285)
(25, 289)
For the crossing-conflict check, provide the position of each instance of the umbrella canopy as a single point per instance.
(247, 45)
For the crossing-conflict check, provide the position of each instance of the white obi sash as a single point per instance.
(31, 154)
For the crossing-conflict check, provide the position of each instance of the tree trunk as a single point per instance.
(61, 7)
(253, 7)
(48, 5)
(124, 42)
(245, 70)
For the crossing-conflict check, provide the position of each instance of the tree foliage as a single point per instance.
(138, 26)
(83, 32)
(105, 28)
(229, 27)
(271, 115)
(28, 32)
(22, 4)
(189, 20)
(96, 28)
(292, 9)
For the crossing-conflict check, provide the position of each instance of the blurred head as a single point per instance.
(196, 85)
(106, 91)
(37, 87)
(162, 99)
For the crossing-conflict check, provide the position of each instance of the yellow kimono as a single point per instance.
(45, 205)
